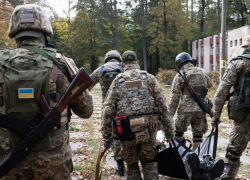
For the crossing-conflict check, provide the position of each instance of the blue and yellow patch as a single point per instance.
(25, 93)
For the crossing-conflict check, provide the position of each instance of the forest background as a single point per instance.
(157, 30)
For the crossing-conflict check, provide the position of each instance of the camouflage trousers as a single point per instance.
(116, 148)
(51, 163)
(144, 152)
(198, 122)
(238, 140)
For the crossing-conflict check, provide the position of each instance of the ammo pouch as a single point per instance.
(237, 110)
(138, 126)
(121, 128)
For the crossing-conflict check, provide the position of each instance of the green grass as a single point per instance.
(74, 128)
(244, 169)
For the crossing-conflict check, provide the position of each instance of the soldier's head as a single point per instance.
(182, 58)
(113, 54)
(29, 20)
(129, 57)
(246, 42)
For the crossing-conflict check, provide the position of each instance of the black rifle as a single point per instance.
(34, 134)
(198, 98)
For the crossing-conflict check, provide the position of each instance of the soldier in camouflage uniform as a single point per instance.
(189, 112)
(237, 75)
(104, 75)
(134, 96)
(246, 42)
(51, 158)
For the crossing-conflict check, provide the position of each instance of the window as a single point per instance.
(218, 48)
(235, 42)
(211, 49)
(202, 50)
(240, 42)
(197, 52)
(231, 43)
(226, 48)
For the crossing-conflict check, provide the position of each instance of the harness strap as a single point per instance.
(242, 71)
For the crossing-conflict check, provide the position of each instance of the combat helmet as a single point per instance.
(112, 54)
(29, 20)
(129, 56)
(181, 58)
(246, 42)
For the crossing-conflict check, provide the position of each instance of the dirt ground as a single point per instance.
(86, 139)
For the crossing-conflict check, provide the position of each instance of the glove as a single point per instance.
(215, 121)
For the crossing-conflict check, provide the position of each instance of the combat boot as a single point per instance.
(214, 171)
(192, 165)
(120, 167)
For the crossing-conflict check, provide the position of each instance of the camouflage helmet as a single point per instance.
(113, 54)
(31, 18)
(181, 58)
(246, 42)
(129, 56)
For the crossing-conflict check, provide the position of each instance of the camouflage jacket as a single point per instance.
(97, 75)
(81, 106)
(228, 80)
(179, 90)
(110, 107)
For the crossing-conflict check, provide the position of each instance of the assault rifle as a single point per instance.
(32, 135)
(198, 98)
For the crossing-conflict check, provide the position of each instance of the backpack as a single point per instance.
(24, 81)
(108, 76)
(239, 102)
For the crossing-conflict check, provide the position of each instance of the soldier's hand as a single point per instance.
(215, 121)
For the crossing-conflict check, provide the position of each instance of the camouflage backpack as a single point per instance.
(108, 75)
(25, 80)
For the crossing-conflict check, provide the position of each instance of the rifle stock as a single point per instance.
(196, 96)
(52, 118)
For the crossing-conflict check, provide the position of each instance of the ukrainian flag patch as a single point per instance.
(25, 93)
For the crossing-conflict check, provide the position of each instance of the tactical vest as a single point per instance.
(239, 103)
(25, 80)
(134, 96)
(196, 85)
(107, 77)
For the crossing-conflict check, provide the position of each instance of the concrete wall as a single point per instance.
(234, 40)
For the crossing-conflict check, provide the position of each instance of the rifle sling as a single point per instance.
(242, 71)
(189, 77)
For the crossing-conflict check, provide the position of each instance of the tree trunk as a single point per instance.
(116, 42)
(69, 28)
(218, 15)
(202, 16)
(112, 23)
(165, 36)
(144, 53)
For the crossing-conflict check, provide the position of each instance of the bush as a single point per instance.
(166, 76)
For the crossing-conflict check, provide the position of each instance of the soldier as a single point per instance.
(105, 75)
(189, 112)
(136, 101)
(51, 158)
(246, 42)
(236, 75)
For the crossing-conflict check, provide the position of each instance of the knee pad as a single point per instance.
(133, 166)
(232, 155)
